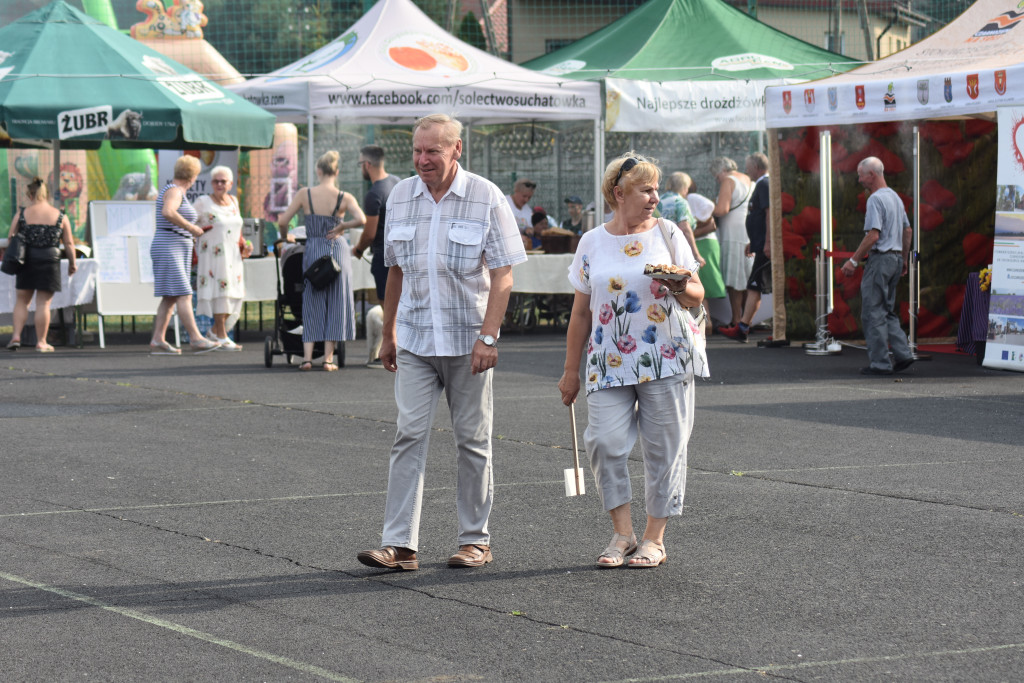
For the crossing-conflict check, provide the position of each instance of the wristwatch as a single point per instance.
(488, 340)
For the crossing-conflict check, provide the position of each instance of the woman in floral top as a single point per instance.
(220, 278)
(640, 357)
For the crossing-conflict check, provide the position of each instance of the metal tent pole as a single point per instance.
(914, 267)
(310, 160)
(823, 344)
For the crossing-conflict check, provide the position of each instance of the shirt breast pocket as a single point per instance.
(465, 247)
(400, 243)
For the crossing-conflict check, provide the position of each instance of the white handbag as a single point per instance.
(691, 320)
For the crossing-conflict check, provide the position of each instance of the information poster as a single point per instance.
(1004, 347)
(112, 255)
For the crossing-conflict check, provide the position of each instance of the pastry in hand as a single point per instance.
(667, 271)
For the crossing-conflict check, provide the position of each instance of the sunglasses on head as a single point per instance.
(627, 166)
(530, 186)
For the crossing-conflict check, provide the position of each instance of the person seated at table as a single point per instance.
(574, 222)
(42, 228)
(538, 224)
(220, 276)
(519, 202)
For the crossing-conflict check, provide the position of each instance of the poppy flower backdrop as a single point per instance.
(958, 179)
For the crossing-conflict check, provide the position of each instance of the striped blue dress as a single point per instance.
(328, 313)
(171, 251)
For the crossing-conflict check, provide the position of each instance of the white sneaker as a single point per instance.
(227, 345)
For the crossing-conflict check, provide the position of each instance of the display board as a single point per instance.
(121, 234)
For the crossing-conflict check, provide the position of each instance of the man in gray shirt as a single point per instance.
(886, 246)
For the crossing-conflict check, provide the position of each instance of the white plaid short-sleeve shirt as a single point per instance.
(446, 251)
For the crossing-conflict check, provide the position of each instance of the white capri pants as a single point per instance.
(661, 414)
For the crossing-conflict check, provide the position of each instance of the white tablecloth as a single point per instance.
(261, 280)
(79, 289)
(541, 274)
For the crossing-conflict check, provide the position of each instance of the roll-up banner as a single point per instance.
(1005, 345)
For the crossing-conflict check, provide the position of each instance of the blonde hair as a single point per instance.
(37, 189)
(452, 127)
(645, 171)
(677, 182)
(186, 167)
(328, 163)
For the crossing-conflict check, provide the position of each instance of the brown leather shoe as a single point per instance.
(390, 557)
(471, 556)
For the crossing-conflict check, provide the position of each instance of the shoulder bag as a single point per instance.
(322, 272)
(691, 320)
(14, 256)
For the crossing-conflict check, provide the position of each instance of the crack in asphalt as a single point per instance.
(383, 579)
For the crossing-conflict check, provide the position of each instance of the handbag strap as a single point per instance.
(698, 312)
(667, 234)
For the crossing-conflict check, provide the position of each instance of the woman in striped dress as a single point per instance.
(171, 254)
(327, 314)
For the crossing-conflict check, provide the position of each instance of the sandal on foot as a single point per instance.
(203, 345)
(620, 547)
(306, 365)
(471, 555)
(14, 344)
(390, 557)
(649, 554)
(329, 366)
(163, 349)
(44, 348)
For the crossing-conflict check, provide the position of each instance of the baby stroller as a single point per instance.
(287, 339)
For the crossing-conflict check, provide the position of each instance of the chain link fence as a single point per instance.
(264, 35)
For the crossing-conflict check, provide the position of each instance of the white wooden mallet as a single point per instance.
(574, 483)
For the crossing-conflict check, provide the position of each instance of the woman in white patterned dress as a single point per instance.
(220, 277)
(734, 190)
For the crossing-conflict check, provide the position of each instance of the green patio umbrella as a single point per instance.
(70, 81)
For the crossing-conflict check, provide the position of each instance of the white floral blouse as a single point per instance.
(636, 334)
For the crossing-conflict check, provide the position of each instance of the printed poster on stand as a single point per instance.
(1004, 348)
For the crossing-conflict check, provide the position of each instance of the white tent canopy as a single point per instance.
(970, 67)
(395, 64)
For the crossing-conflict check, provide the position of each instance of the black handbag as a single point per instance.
(14, 257)
(322, 272)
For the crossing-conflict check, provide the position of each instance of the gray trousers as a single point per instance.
(418, 386)
(660, 413)
(882, 329)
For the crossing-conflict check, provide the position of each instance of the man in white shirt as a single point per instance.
(519, 202)
(450, 243)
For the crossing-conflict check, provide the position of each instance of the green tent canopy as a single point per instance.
(70, 80)
(689, 66)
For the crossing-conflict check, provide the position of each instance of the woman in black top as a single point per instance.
(42, 228)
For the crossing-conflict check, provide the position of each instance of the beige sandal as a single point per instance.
(650, 554)
(617, 551)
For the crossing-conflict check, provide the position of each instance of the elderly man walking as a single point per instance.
(886, 248)
(450, 243)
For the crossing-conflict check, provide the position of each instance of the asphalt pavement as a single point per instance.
(197, 518)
